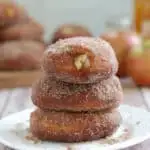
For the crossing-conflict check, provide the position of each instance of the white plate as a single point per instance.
(134, 129)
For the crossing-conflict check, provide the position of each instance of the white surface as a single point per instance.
(92, 13)
(146, 95)
(137, 120)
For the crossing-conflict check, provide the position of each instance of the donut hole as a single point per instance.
(81, 62)
(82, 58)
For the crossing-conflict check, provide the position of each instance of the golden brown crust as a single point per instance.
(80, 60)
(11, 12)
(20, 55)
(50, 94)
(68, 31)
(73, 127)
(30, 30)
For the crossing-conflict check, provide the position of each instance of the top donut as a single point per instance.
(11, 12)
(80, 60)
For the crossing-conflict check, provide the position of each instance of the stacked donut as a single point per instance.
(68, 31)
(78, 95)
(21, 38)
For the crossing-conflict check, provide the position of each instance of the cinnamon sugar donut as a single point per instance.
(70, 30)
(20, 55)
(30, 30)
(49, 94)
(73, 127)
(80, 60)
(11, 12)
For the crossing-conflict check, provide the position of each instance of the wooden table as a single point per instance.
(14, 100)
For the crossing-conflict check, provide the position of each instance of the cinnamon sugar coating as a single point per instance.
(51, 94)
(73, 127)
(80, 60)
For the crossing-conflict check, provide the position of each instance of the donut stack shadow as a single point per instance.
(78, 95)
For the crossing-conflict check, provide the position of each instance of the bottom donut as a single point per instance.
(73, 127)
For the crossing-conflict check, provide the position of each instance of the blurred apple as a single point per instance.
(138, 64)
(122, 43)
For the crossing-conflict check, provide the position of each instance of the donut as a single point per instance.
(73, 127)
(20, 55)
(30, 30)
(68, 31)
(49, 94)
(11, 12)
(80, 60)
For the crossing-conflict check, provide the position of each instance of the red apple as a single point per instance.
(122, 43)
(138, 65)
